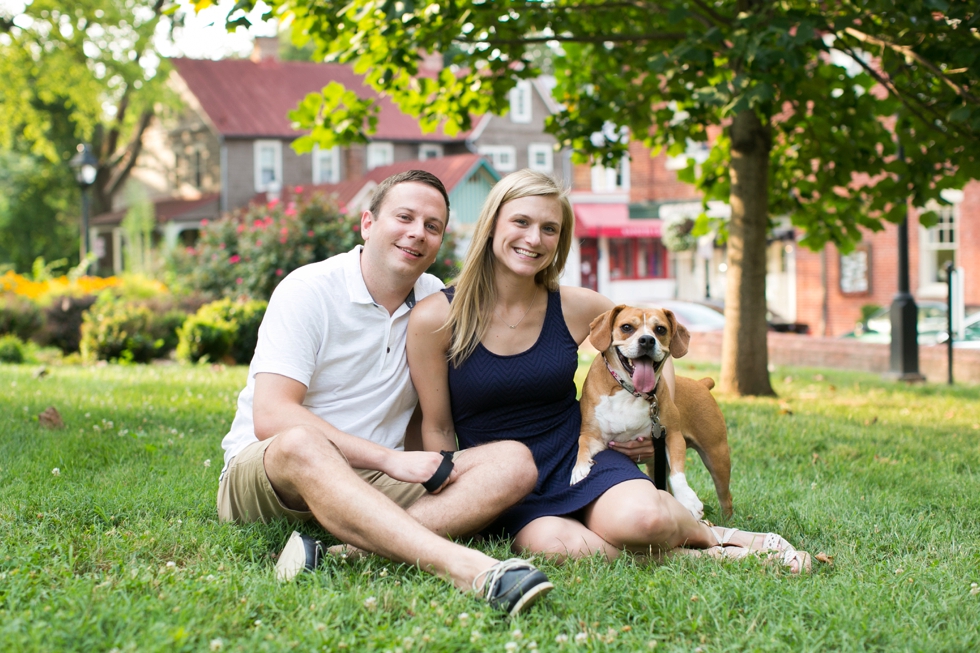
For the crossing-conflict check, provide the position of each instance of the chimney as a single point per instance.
(265, 48)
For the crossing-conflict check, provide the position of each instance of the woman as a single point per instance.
(494, 357)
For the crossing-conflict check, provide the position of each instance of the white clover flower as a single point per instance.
(463, 617)
(217, 644)
(370, 603)
(510, 646)
(210, 578)
(561, 639)
(532, 646)
(171, 564)
(581, 638)
(258, 622)
(56, 472)
(475, 635)
(974, 589)
(516, 634)
(207, 463)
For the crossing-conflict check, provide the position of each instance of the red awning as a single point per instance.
(613, 221)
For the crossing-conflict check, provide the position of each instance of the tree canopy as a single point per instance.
(838, 115)
(82, 71)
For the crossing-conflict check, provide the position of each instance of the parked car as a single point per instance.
(696, 317)
(878, 327)
(971, 333)
(775, 321)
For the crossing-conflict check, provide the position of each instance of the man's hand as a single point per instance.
(639, 450)
(416, 467)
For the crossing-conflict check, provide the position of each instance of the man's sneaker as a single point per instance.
(513, 585)
(301, 553)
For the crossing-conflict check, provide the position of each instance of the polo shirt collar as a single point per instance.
(357, 289)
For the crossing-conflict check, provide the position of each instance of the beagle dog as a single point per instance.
(623, 399)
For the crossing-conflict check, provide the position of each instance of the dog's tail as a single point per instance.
(707, 382)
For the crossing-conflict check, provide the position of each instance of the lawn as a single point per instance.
(109, 537)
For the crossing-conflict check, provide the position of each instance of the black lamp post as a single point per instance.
(86, 167)
(904, 360)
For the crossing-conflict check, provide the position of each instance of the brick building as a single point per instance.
(831, 288)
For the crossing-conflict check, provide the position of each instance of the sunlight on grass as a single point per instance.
(109, 537)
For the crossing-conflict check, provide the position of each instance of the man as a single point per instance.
(321, 423)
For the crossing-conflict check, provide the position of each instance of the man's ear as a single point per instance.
(367, 219)
(682, 337)
(600, 330)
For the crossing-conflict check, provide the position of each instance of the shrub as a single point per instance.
(19, 316)
(11, 349)
(204, 338)
(63, 322)
(243, 317)
(250, 251)
(115, 330)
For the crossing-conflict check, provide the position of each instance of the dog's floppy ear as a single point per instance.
(600, 331)
(681, 338)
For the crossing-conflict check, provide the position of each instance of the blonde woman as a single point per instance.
(493, 358)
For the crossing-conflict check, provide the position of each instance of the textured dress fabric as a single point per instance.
(530, 397)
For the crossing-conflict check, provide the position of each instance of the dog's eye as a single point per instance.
(661, 330)
(626, 328)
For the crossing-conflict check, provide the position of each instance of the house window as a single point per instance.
(430, 151)
(540, 157)
(611, 180)
(268, 166)
(502, 157)
(520, 102)
(940, 245)
(380, 154)
(326, 165)
(637, 258)
(855, 271)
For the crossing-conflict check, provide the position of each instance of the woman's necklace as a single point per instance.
(514, 326)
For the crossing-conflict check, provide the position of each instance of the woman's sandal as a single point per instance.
(774, 549)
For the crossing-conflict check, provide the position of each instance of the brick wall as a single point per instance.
(843, 354)
(844, 310)
(651, 181)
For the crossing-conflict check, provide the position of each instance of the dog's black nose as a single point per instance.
(647, 342)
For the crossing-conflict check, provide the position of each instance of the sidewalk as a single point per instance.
(844, 354)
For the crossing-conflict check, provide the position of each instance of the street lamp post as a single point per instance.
(904, 314)
(86, 167)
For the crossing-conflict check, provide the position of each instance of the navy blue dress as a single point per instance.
(530, 397)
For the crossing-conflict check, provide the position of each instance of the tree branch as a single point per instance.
(909, 52)
(614, 38)
(711, 13)
(133, 150)
(888, 84)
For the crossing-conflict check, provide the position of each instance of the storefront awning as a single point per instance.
(612, 221)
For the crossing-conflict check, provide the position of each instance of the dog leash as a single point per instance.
(657, 431)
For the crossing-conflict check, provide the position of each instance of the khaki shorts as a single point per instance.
(245, 493)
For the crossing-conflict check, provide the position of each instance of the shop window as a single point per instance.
(636, 258)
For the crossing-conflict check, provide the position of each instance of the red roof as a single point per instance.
(248, 99)
(451, 170)
(612, 220)
(168, 209)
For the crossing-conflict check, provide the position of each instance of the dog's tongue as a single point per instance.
(644, 376)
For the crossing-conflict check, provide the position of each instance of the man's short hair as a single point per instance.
(414, 176)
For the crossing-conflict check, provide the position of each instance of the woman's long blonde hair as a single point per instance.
(475, 295)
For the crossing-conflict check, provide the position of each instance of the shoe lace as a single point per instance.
(496, 572)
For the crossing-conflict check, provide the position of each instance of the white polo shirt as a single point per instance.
(323, 329)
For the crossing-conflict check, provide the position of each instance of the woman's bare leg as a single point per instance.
(561, 538)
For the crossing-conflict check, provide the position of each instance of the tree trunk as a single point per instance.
(744, 353)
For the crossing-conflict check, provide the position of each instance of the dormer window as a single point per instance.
(380, 154)
(268, 166)
(520, 102)
(326, 165)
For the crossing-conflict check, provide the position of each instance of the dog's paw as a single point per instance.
(686, 496)
(581, 471)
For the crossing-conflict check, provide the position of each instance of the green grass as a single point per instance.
(122, 549)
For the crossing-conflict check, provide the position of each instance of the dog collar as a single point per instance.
(628, 387)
